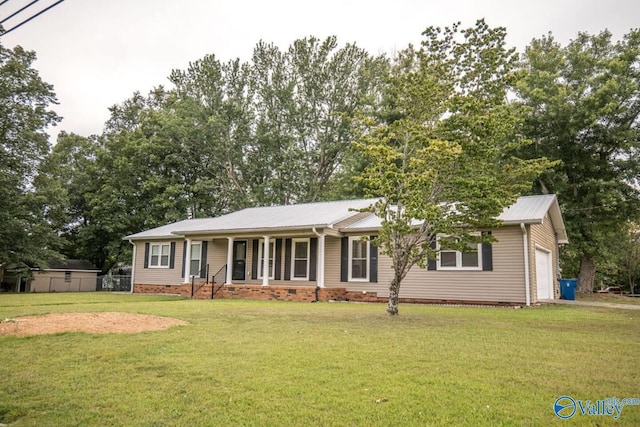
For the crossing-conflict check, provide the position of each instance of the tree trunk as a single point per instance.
(587, 275)
(394, 296)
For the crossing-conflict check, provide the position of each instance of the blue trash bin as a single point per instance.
(568, 288)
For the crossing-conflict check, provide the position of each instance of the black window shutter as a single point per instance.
(184, 257)
(278, 260)
(431, 262)
(287, 259)
(254, 259)
(373, 261)
(487, 255)
(172, 255)
(313, 258)
(203, 261)
(146, 255)
(344, 259)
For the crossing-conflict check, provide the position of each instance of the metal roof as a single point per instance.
(166, 231)
(527, 210)
(301, 216)
(533, 209)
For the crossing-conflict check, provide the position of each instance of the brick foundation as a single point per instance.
(288, 293)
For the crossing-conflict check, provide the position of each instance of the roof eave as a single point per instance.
(181, 233)
(163, 237)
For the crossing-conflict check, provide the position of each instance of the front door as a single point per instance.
(239, 260)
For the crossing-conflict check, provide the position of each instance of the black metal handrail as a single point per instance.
(223, 270)
(195, 291)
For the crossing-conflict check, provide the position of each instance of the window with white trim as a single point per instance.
(261, 258)
(196, 254)
(454, 259)
(300, 259)
(358, 259)
(159, 255)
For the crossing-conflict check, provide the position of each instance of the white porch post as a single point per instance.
(133, 265)
(320, 267)
(187, 262)
(229, 260)
(265, 264)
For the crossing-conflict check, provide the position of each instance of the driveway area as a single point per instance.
(592, 304)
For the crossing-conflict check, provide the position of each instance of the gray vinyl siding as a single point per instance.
(504, 284)
(332, 263)
(158, 276)
(217, 255)
(544, 236)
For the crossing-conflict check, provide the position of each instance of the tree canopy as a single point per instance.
(581, 104)
(26, 235)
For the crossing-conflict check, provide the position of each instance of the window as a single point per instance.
(159, 255)
(194, 265)
(453, 259)
(261, 258)
(358, 259)
(300, 260)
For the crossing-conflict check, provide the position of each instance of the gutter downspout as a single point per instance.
(133, 265)
(320, 261)
(527, 279)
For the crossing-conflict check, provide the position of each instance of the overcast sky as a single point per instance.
(96, 53)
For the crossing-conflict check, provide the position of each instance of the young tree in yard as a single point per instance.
(582, 106)
(25, 233)
(439, 159)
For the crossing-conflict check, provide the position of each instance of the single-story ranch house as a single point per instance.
(315, 251)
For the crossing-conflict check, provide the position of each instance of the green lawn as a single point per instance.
(298, 364)
(612, 298)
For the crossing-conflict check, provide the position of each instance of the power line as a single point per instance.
(3, 2)
(32, 17)
(18, 11)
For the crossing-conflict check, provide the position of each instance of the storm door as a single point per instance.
(239, 260)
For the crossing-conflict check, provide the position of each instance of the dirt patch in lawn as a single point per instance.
(95, 323)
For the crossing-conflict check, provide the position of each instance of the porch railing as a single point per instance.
(218, 278)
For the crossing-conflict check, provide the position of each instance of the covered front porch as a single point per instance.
(294, 260)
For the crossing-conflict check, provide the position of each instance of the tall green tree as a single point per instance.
(582, 103)
(25, 102)
(71, 181)
(215, 100)
(441, 159)
(305, 100)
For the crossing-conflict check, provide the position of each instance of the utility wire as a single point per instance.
(33, 17)
(3, 2)
(18, 11)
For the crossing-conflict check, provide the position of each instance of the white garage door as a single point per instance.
(544, 281)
